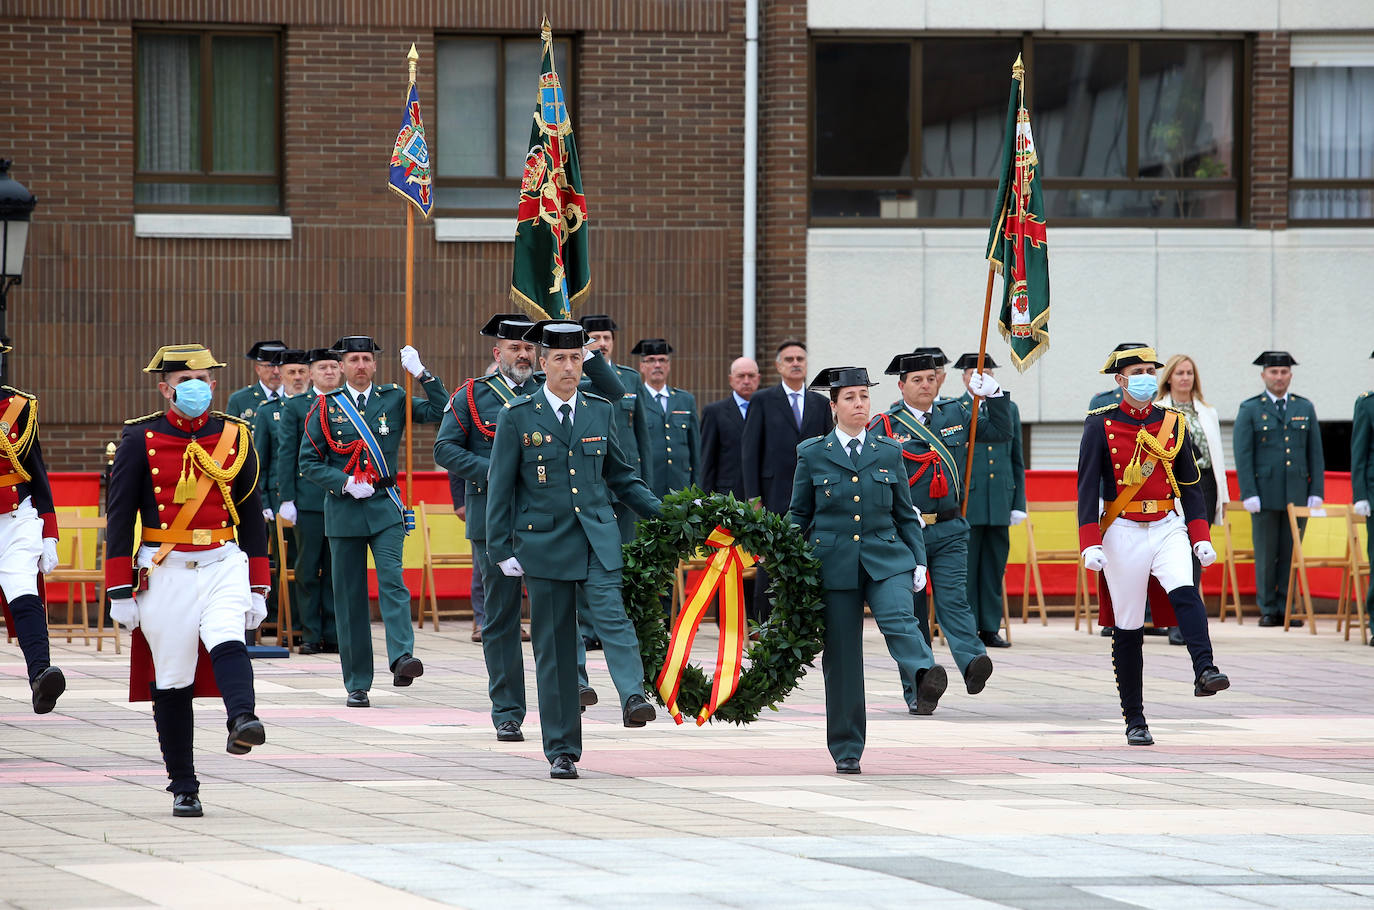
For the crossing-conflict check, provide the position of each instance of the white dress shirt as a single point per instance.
(555, 402)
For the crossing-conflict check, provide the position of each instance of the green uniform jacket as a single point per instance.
(676, 440)
(1362, 448)
(634, 419)
(946, 435)
(245, 402)
(856, 513)
(549, 495)
(1102, 399)
(998, 483)
(266, 422)
(308, 497)
(1279, 461)
(464, 448)
(345, 516)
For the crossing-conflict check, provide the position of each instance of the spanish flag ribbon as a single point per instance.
(724, 573)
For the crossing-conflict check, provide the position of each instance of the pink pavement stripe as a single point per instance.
(384, 716)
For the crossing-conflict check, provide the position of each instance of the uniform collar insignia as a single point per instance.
(187, 424)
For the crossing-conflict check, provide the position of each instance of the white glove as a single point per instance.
(410, 359)
(984, 386)
(48, 561)
(1017, 516)
(1362, 508)
(288, 511)
(1315, 504)
(257, 612)
(1204, 552)
(357, 489)
(124, 610)
(918, 579)
(1095, 559)
(511, 568)
(1252, 504)
(266, 514)
(920, 517)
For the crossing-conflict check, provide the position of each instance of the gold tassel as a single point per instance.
(186, 484)
(1133, 473)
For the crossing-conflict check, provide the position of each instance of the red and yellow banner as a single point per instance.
(724, 574)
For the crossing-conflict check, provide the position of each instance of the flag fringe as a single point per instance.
(1039, 333)
(529, 306)
(391, 186)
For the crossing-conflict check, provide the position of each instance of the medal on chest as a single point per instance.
(543, 473)
(383, 429)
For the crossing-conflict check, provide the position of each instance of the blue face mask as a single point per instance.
(192, 397)
(1142, 387)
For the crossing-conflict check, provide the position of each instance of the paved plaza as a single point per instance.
(1024, 797)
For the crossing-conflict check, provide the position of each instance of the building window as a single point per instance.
(486, 95)
(1129, 131)
(1332, 179)
(209, 121)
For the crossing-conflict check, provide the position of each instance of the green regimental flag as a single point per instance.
(551, 271)
(1017, 247)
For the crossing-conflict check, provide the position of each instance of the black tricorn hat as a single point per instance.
(841, 378)
(649, 347)
(1123, 357)
(599, 322)
(263, 351)
(936, 354)
(970, 362)
(350, 344)
(1127, 345)
(290, 355)
(1276, 359)
(493, 327)
(557, 333)
(910, 363)
(315, 355)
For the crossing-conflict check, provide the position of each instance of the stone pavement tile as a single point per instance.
(1297, 897)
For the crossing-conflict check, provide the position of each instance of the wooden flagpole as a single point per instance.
(413, 58)
(973, 423)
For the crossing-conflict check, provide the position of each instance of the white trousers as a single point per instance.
(1135, 551)
(21, 543)
(196, 596)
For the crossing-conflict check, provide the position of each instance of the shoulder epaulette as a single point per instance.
(1367, 394)
(332, 392)
(523, 399)
(595, 397)
(1102, 410)
(388, 387)
(1297, 396)
(20, 392)
(230, 418)
(887, 439)
(809, 443)
(144, 419)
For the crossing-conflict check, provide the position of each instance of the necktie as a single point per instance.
(1282, 404)
(273, 397)
(744, 410)
(362, 402)
(925, 418)
(854, 450)
(565, 414)
(663, 401)
(796, 408)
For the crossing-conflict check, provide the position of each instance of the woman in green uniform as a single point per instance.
(850, 498)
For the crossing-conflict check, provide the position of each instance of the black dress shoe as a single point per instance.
(638, 711)
(312, 647)
(187, 805)
(591, 644)
(509, 732)
(49, 684)
(330, 647)
(1155, 630)
(847, 766)
(929, 687)
(245, 732)
(404, 671)
(1176, 636)
(1210, 682)
(993, 640)
(977, 673)
(1270, 621)
(358, 699)
(1139, 735)
(1293, 623)
(562, 768)
(586, 696)
(1106, 631)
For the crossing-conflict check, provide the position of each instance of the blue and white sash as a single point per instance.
(374, 451)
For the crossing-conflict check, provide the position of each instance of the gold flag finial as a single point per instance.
(413, 58)
(546, 30)
(1018, 69)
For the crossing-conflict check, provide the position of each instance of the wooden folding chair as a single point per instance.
(1359, 577)
(1035, 557)
(286, 574)
(1232, 555)
(432, 559)
(1304, 559)
(77, 532)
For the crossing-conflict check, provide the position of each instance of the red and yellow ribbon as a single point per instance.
(724, 573)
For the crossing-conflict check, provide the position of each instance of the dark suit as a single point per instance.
(722, 428)
(769, 445)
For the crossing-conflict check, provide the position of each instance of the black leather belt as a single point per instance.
(947, 515)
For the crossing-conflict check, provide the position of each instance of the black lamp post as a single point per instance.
(16, 206)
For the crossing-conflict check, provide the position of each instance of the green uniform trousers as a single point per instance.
(988, 548)
(314, 596)
(625, 519)
(349, 557)
(947, 563)
(1273, 540)
(553, 632)
(842, 663)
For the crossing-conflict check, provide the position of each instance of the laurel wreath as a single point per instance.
(788, 642)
